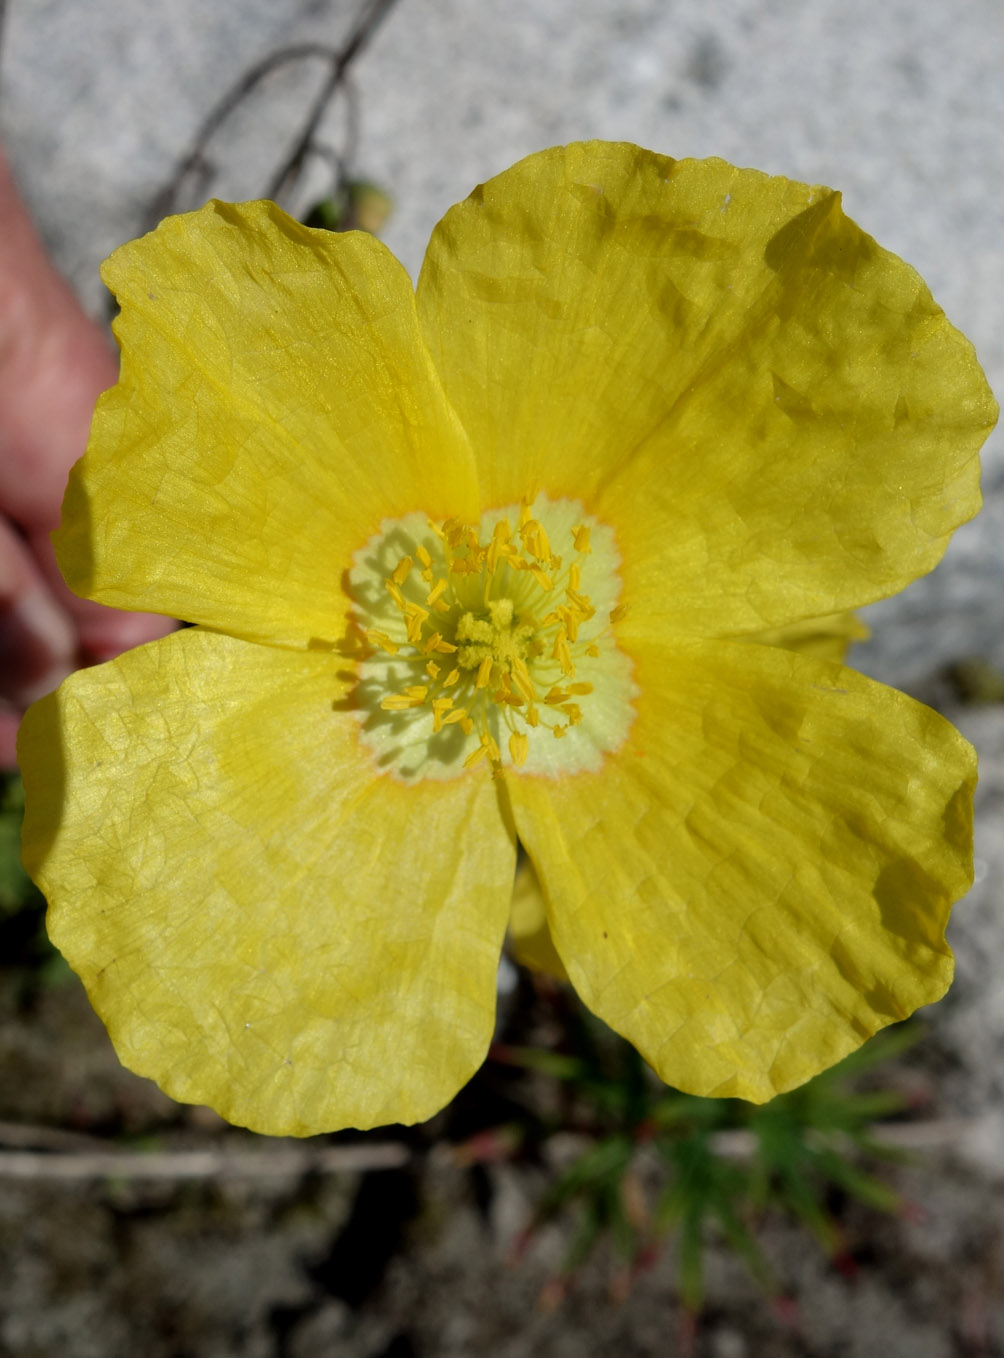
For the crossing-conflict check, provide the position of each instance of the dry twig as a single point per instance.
(70, 1157)
(195, 169)
(278, 1163)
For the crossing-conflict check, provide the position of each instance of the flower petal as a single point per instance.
(264, 922)
(276, 401)
(769, 409)
(529, 937)
(761, 877)
(827, 638)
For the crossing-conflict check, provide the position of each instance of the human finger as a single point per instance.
(38, 638)
(54, 362)
(102, 632)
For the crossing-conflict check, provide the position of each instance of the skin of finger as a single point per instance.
(38, 638)
(103, 632)
(10, 720)
(54, 363)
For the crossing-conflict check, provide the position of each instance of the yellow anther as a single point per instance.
(542, 578)
(519, 747)
(382, 640)
(556, 696)
(452, 678)
(593, 650)
(414, 617)
(466, 725)
(521, 678)
(440, 707)
(432, 669)
(564, 657)
(477, 753)
(581, 538)
(534, 540)
(532, 716)
(580, 688)
(575, 575)
(484, 673)
(414, 696)
(423, 556)
(524, 512)
(571, 621)
(573, 712)
(402, 570)
(438, 589)
(457, 714)
(445, 647)
(394, 591)
(558, 732)
(580, 602)
(617, 613)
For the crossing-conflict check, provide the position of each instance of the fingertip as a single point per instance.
(106, 635)
(103, 632)
(38, 638)
(38, 647)
(54, 363)
(10, 720)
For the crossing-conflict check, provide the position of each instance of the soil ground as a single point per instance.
(418, 1261)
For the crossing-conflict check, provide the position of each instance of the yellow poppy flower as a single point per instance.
(498, 559)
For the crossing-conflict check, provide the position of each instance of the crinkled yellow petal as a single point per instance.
(265, 923)
(827, 638)
(767, 407)
(529, 937)
(760, 878)
(276, 401)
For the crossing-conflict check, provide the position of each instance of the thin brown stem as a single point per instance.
(195, 169)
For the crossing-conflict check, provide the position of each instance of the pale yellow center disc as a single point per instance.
(491, 643)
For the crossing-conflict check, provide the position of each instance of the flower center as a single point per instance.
(486, 638)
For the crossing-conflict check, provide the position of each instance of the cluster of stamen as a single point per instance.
(493, 631)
